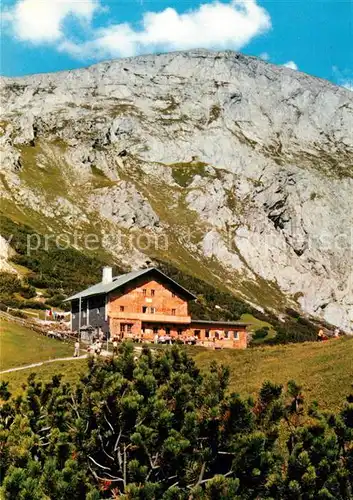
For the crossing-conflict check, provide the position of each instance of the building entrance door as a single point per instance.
(125, 329)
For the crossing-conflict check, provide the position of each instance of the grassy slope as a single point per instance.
(20, 346)
(324, 369)
(256, 324)
(71, 371)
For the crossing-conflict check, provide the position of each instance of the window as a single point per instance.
(152, 293)
(153, 310)
(207, 334)
(128, 328)
(236, 335)
(144, 309)
(122, 328)
(155, 329)
(226, 334)
(144, 291)
(173, 312)
(143, 329)
(180, 331)
(197, 333)
(167, 331)
(122, 309)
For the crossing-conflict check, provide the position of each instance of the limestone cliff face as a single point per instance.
(243, 169)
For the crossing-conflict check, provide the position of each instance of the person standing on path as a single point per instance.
(77, 349)
(98, 347)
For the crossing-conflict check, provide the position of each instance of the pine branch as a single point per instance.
(172, 485)
(152, 463)
(74, 407)
(140, 422)
(98, 478)
(120, 460)
(203, 481)
(110, 425)
(44, 437)
(45, 429)
(229, 473)
(202, 473)
(103, 448)
(125, 464)
(118, 439)
(99, 465)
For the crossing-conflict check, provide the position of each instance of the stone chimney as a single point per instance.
(107, 276)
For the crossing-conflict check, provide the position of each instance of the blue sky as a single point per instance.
(50, 35)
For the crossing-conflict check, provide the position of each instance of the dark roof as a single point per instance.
(123, 279)
(226, 323)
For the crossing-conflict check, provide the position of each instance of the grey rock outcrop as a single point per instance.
(6, 253)
(124, 205)
(256, 159)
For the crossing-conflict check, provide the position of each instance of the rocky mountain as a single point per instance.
(232, 168)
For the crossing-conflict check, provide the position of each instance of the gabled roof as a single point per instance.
(123, 279)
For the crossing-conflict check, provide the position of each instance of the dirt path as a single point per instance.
(34, 365)
(69, 358)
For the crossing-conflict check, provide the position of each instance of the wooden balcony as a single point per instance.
(154, 318)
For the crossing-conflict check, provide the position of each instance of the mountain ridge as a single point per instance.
(244, 153)
(199, 52)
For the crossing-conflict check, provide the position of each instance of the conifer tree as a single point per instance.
(158, 428)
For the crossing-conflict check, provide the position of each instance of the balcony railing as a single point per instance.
(162, 318)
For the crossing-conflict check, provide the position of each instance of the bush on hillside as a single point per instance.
(156, 428)
(27, 291)
(9, 300)
(65, 270)
(292, 333)
(261, 333)
(22, 304)
(9, 284)
(17, 313)
(33, 304)
(57, 301)
(292, 313)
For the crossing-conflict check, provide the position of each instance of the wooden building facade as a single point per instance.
(145, 304)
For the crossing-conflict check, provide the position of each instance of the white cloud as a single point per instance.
(218, 25)
(214, 25)
(40, 21)
(291, 65)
